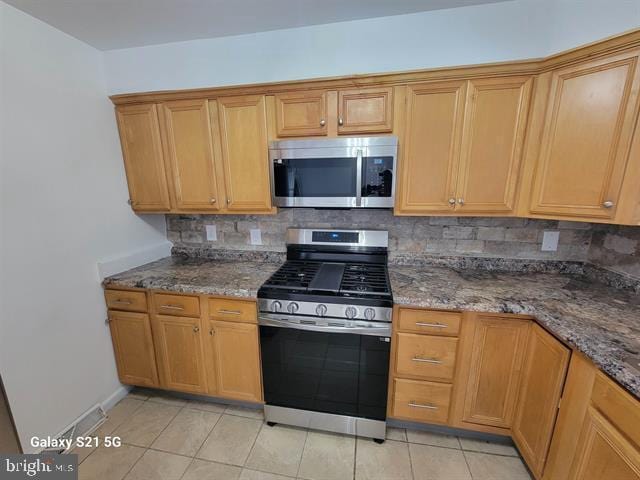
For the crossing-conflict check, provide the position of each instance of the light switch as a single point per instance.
(212, 233)
(550, 241)
(256, 236)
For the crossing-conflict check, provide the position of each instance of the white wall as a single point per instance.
(63, 209)
(477, 34)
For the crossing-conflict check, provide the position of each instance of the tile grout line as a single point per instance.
(304, 445)
(413, 476)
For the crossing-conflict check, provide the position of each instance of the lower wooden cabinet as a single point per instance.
(133, 348)
(545, 368)
(234, 357)
(179, 344)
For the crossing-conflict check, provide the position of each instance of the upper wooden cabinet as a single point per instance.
(463, 146)
(545, 368)
(365, 110)
(301, 114)
(189, 152)
(143, 157)
(586, 134)
(243, 139)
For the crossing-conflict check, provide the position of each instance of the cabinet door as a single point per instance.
(243, 139)
(365, 110)
(180, 347)
(585, 142)
(190, 154)
(603, 452)
(496, 365)
(237, 360)
(494, 128)
(143, 159)
(301, 114)
(545, 368)
(429, 165)
(133, 348)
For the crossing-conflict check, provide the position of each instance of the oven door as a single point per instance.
(326, 368)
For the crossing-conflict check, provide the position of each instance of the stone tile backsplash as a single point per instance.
(616, 248)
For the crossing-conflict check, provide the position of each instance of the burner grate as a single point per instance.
(365, 279)
(293, 275)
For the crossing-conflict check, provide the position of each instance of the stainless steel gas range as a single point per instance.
(325, 328)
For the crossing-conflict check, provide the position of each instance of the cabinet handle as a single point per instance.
(212, 332)
(322, 122)
(433, 325)
(461, 201)
(213, 200)
(607, 204)
(422, 405)
(123, 302)
(172, 307)
(230, 312)
(340, 122)
(427, 360)
(452, 202)
(196, 329)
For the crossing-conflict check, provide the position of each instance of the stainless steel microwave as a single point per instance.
(349, 172)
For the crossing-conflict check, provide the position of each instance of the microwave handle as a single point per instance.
(359, 178)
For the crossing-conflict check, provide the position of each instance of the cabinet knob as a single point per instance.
(607, 204)
(322, 122)
(211, 332)
(228, 201)
(213, 200)
(340, 121)
(461, 201)
(130, 202)
(452, 201)
(196, 329)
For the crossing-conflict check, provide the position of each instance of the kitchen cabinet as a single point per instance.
(179, 344)
(545, 368)
(301, 114)
(133, 348)
(143, 157)
(189, 153)
(463, 146)
(240, 122)
(235, 353)
(494, 358)
(585, 137)
(365, 110)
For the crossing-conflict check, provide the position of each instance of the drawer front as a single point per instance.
(234, 310)
(180, 305)
(421, 401)
(126, 300)
(433, 322)
(622, 410)
(426, 356)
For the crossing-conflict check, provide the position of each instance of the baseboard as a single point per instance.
(115, 397)
(113, 265)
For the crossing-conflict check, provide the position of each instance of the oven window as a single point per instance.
(338, 373)
(377, 176)
(315, 177)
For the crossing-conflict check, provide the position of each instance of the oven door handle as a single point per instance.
(376, 329)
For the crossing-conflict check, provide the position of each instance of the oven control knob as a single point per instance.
(276, 306)
(321, 310)
(369, 314)
(351, 312)
(292, 307)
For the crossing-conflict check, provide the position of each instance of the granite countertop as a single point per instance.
(601, 321)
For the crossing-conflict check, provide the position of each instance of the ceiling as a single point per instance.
(113, 24)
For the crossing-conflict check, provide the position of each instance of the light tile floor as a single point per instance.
(166, 438)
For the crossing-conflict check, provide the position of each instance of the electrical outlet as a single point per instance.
(212, 233)
(550, 241)
(256, 236)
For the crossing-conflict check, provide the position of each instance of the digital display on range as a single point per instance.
(335, 237)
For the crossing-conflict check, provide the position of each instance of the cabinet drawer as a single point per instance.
(433, 322)
(181, 305)
(618, 406)
(126, 300)
(421, 401)
(425, 356)
(234, 310)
